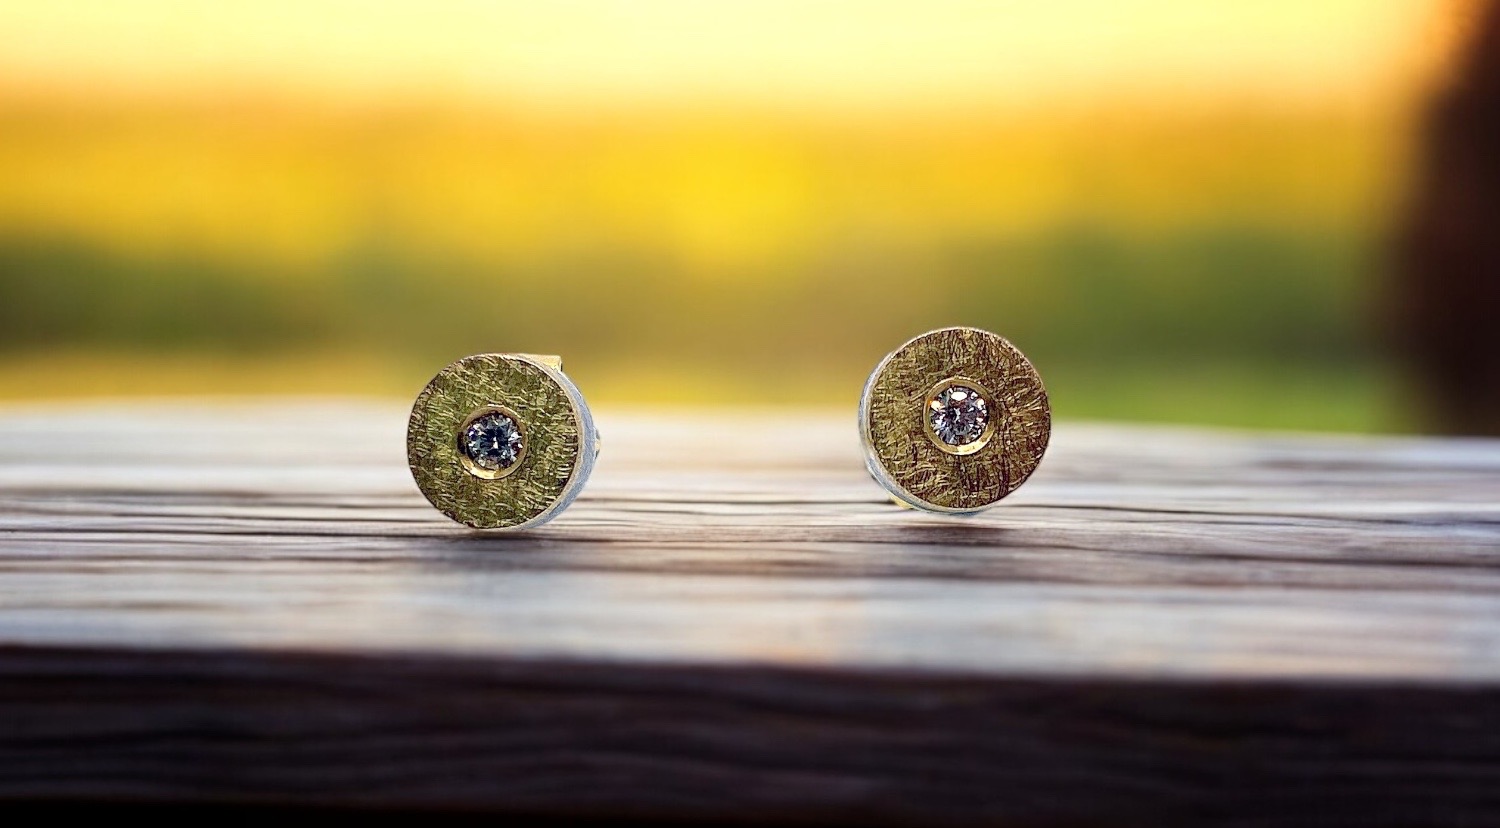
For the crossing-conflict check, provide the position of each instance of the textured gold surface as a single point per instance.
(552, 432)
(897, 432)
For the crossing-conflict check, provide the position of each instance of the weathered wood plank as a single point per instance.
(251, 602)
(867, 748)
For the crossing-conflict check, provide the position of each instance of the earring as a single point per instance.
(954, 420)
(501, 441)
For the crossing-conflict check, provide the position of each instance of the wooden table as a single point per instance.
(251, 603)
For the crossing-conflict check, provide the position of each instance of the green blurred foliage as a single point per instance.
(1229, 313)
(1076, 293)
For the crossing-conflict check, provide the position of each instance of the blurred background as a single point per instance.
(1184, 212)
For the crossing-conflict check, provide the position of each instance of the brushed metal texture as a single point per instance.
(894, 408)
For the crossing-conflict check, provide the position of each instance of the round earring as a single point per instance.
(954, 420)
(501, 441)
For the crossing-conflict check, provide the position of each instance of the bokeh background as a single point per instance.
(1181, 211)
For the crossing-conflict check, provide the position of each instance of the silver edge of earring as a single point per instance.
(588, 446)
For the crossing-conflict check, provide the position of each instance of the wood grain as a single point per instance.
(252, 603)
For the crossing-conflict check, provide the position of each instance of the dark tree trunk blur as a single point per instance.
(1448, 289)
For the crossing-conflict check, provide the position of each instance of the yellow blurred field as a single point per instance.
(288, 188)
(1208, 198)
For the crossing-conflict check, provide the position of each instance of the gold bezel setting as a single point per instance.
(468, 462)
(900, 450)
(993, 416)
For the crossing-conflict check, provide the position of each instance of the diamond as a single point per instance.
(958, 415)
(492, 441)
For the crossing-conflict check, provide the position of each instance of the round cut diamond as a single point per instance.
(492, 441)
(958, 414)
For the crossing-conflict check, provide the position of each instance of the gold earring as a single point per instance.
(501, 441)
(954, 420)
